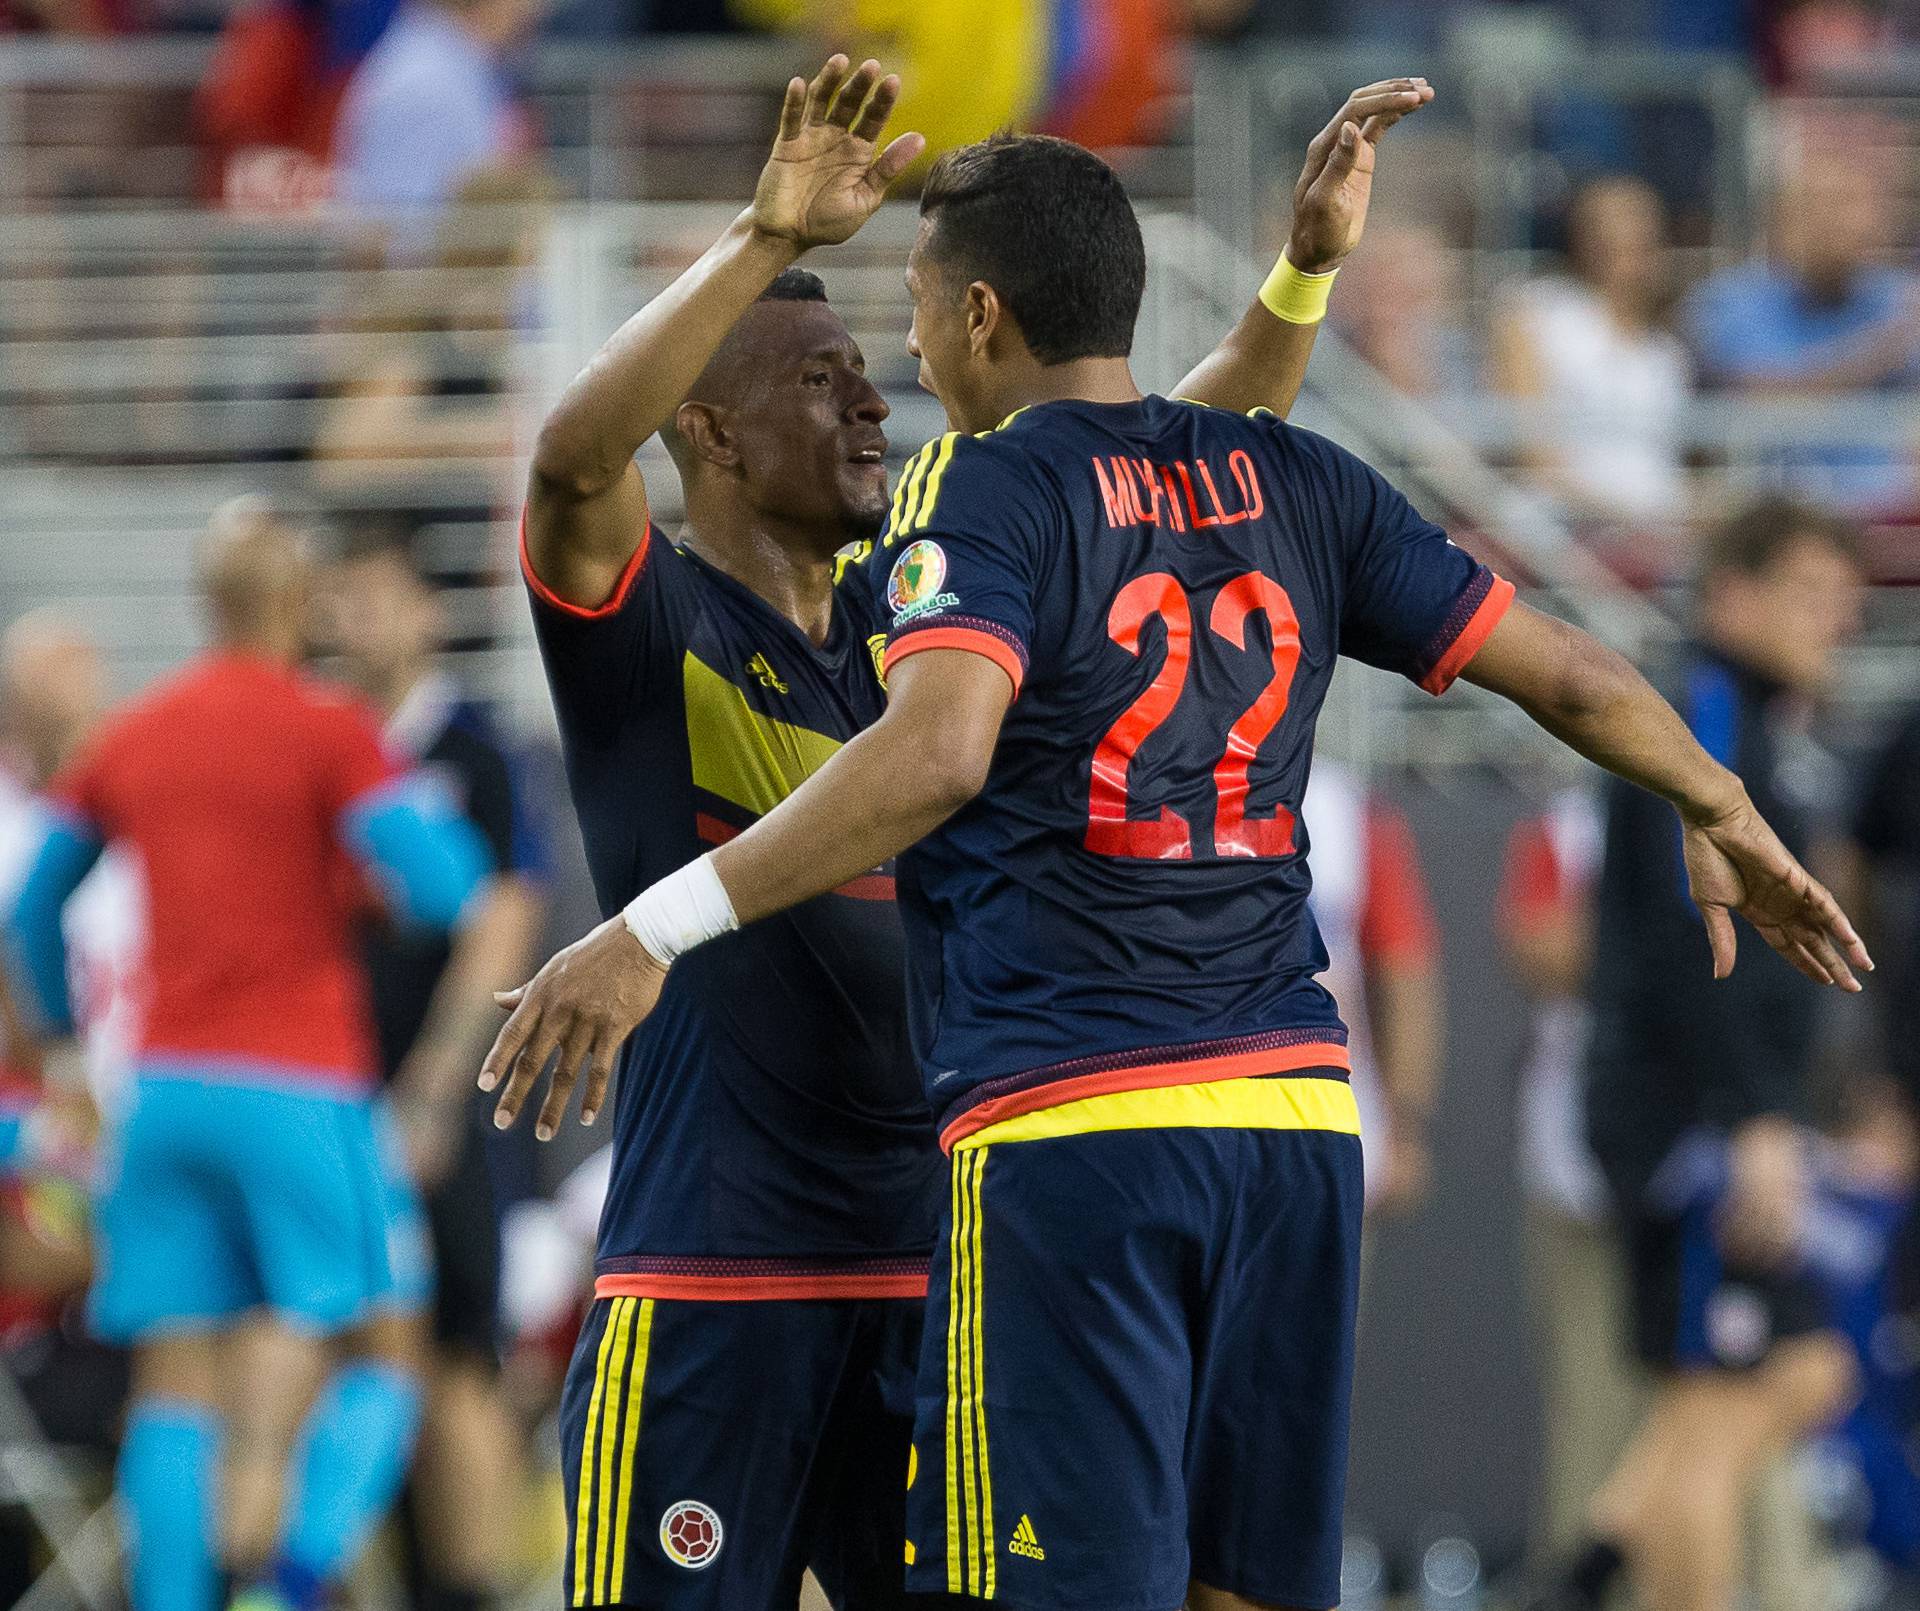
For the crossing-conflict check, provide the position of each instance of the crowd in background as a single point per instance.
(396, 110)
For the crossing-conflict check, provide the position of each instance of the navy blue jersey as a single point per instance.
(1168, 587)
(770, 1135)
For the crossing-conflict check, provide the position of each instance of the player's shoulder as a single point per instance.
(958, 477)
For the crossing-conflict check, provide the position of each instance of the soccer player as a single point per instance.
(433, 1016)
(1113, 619)
(739, 1403)
(244, 1179)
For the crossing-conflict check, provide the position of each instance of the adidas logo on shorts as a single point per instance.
(1024, 1543)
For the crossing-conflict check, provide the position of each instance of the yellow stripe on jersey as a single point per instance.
(978, 1158)
(854, 554)
(929, 490)
(1268, 1103)
(636, 1402)
(750, 760)
(905, 493)
(609, 1434)
(583, 1501)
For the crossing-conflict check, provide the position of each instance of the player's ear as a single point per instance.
(705, 429)
(984, 314)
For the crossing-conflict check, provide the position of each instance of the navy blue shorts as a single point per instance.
(713, 1451)
(1138, 1364)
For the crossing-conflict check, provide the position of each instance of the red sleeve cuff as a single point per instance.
(1002, 653)
(582, 612)
(1479, 627)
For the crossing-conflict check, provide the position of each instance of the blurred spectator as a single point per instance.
(1399, 303)
(266, 109)
(1371, 904)
(1601, 382)
(52, 690)
(1591, 1395)
(428, 394)
(1822, 316)
(96, 18)
(434, 1018)
(1886, 834)
(1699, 1090)
(1112, 66)
(429, 109)
(246, 792)
(967, 67)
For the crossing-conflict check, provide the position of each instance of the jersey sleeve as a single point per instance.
(1414, 602)
(596, 658)
(962, 554)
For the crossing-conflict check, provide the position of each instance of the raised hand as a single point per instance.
(1736, 863)
(1330, 199)
(827, 173)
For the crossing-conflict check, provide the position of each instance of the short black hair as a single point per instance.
(1048, 225)
(795, 285)
(1750, 540)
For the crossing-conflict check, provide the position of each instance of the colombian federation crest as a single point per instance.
(914, 587)
(690, 1533)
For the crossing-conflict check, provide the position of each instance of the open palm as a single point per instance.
(1330, 198)
(827, 172)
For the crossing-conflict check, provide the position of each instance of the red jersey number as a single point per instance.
(1167, 837)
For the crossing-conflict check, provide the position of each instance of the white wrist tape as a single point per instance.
(682, 910)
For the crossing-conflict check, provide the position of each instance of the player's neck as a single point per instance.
(781, 569)
(1086, 380)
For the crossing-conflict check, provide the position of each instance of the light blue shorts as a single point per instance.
(242, 1189)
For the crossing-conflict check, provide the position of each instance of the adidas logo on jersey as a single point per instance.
(769, 678)
(1024, 1543)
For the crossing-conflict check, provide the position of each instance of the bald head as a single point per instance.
(53, 686)
(255, 570)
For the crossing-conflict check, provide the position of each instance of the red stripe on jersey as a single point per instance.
(1001, 653)
(1463, 648)
(760, 1288)
(582, 612)
(1146, 1076)
(867, 887)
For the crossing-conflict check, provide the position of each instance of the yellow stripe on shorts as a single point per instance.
(583, 1502)
(953, 1389)
(636, 1400)
(978, 1158)
(609, 1433)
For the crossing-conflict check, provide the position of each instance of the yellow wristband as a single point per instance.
(1298, 298)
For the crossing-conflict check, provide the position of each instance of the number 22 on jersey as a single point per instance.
(1168, 837)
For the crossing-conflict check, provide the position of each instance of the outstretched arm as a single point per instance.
(586, 502)
(885, 790)
(1263, 361)
(1592, 700)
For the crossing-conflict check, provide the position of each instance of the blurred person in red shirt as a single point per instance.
(265, 111)
(248, 1203)
(1370, 899)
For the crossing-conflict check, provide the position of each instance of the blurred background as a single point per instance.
(1641, 263)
